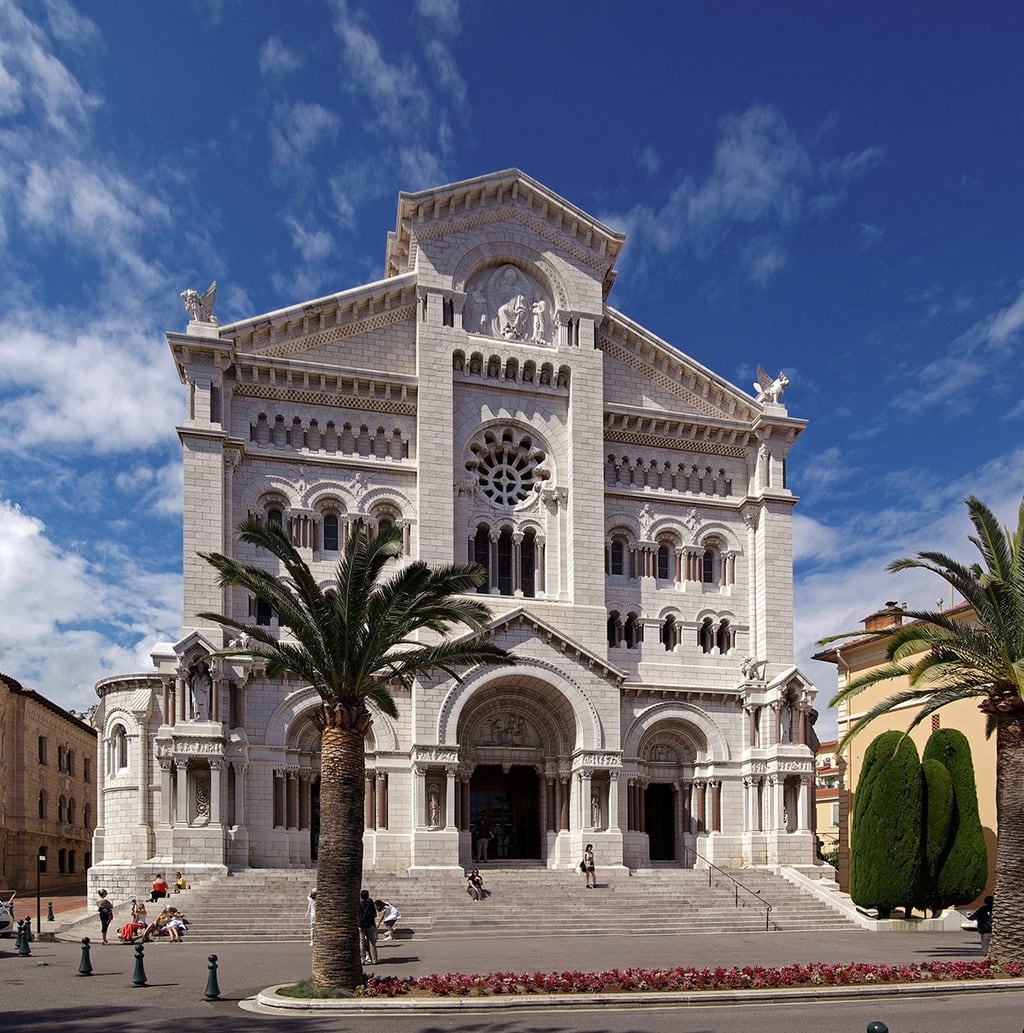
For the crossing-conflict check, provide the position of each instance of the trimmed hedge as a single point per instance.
(963, 871)
(937, 828)
(885, 856)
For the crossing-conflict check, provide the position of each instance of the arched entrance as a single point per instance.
(509, 802)
(659, 811)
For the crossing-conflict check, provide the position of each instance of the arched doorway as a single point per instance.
(510, 804)
(659, 811)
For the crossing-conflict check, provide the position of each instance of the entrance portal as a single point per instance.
(510, 804)
(661, 824)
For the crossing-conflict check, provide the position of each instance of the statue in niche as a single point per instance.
(434, 806)
(767, 389)
(201, 687)
(507, 304)
(786, 721)
(646, 520)
(200, 306)
(595, 809)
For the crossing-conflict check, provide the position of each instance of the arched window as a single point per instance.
(706, 636)
(618, 554)
(71, 860)
(664, 562)
(275, 516)
(71, 811)
(87, 816)
(669, 633)
(724, 638)
(505, 562)
(528, 564)
(633, 632)
(62, 860)
(264, 613)
(614, 630)
(42, 804)
(482, 555)
(118, 748)
(707, 567)
(60, 758)
(331, 536)
(62, 809)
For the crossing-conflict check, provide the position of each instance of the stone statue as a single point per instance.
(200, 306)
(201, 685)
(434, 806)
(769, 390)
(595, 809)
(538, 330)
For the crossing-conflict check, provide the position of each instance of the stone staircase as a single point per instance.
(270, 904)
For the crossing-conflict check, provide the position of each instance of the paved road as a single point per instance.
(45, 989)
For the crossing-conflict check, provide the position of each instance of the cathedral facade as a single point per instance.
(630, 509)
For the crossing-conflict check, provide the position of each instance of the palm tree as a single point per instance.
(944, 660)
(352, 643)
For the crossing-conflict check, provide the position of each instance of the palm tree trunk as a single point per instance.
(339, 868)
(1007, 943)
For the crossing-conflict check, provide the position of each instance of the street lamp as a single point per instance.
(40, 861)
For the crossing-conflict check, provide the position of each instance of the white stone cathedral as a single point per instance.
(629, 506)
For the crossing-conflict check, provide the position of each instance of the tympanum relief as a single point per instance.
(507, 304)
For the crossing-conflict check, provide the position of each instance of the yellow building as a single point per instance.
(47, 792)
(826, 798)
(858, 656)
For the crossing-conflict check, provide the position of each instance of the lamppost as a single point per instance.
(40, 861)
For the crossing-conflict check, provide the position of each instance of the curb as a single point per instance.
(269, 1000)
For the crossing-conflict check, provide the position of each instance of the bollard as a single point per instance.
(49, 912)
(24, 951)
(139, 975)
(212, 987)
(85, 965)
(877, 1027)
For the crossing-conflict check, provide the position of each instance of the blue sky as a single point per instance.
(829, 190)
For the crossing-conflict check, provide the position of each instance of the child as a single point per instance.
(388, 914)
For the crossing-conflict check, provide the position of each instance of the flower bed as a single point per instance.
(750, 977)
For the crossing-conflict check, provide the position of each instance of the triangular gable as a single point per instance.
(558, 640)
(510, 195)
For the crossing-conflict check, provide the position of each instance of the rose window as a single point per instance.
(508, 467)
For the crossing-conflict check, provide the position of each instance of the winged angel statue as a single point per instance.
(768, 390)
(200, 306)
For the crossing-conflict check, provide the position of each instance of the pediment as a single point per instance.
(508, 626)
(472, 205)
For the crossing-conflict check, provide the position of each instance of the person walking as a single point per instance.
(106, 911)
(983, 917)
(367, 929)
(587, 866)
(311, 913)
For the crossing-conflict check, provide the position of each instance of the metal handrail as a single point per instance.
(737, 886)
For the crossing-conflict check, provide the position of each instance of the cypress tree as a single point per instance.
(886, 842)
(937, 828)
(963, 872)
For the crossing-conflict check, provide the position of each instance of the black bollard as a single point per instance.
(49, 912)
(85, 965)
(212, 987)
(877, 1027)
(24, 951)
(139, 975)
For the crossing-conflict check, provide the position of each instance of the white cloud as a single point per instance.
(104, 387)
(296, 129)
(313, 244)
(69, 621)
(1008, 322)
(762, 258)
(275, 59)
(647, 158)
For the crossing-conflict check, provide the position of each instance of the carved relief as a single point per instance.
(507, 304)
(508, 729)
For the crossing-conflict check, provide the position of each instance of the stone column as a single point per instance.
(449, 797)
(166, 785)
(699, 801)
(612, 822)
(584, 781)
(563, 810)
(803, 814)
(382, 800)
(774, 804)
(240, 770)
(181, 695)
(368, 801)
(465, 803)
(181, 794)
(716, 806)
(217, 791)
